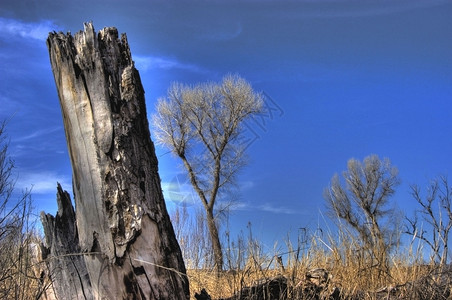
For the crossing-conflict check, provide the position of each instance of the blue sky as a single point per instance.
(345, 79)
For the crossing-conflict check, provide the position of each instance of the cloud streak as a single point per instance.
(41, 182)
(10, 28)
(265, 207)
(150, 62)
(180, 192)
(37, 134)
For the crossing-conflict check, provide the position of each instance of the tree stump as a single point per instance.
(124, 231)
(65, 263)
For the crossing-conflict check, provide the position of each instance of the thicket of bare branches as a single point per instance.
(436, 211)
(362, 202)
(193, 237)
(19, 244)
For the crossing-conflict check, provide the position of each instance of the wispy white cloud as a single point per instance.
(266, 207)
(245, 185)
(180, 192)
(277, 209)
(41, 182)
(145, 63)
(36, 134)
(10, 28)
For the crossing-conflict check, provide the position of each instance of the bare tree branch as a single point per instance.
(436, 211)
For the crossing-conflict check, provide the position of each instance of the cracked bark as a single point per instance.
(120, 211)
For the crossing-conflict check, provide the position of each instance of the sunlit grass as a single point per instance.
(352, 271)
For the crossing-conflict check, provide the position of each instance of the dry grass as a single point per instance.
(226, 284)
(352, 280)
(352, 271)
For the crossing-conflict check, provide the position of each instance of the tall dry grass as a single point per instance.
(352, 271)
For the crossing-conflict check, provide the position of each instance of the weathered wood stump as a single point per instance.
(64, 259)
(123, 228)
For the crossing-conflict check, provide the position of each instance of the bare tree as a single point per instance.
(202, 125)
(436, 211)
(363, 203)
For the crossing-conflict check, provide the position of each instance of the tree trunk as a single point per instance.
(122, 222)
(214, 237)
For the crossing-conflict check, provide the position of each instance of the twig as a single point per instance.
(162, 267)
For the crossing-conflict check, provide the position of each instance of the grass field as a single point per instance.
(351, 271)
